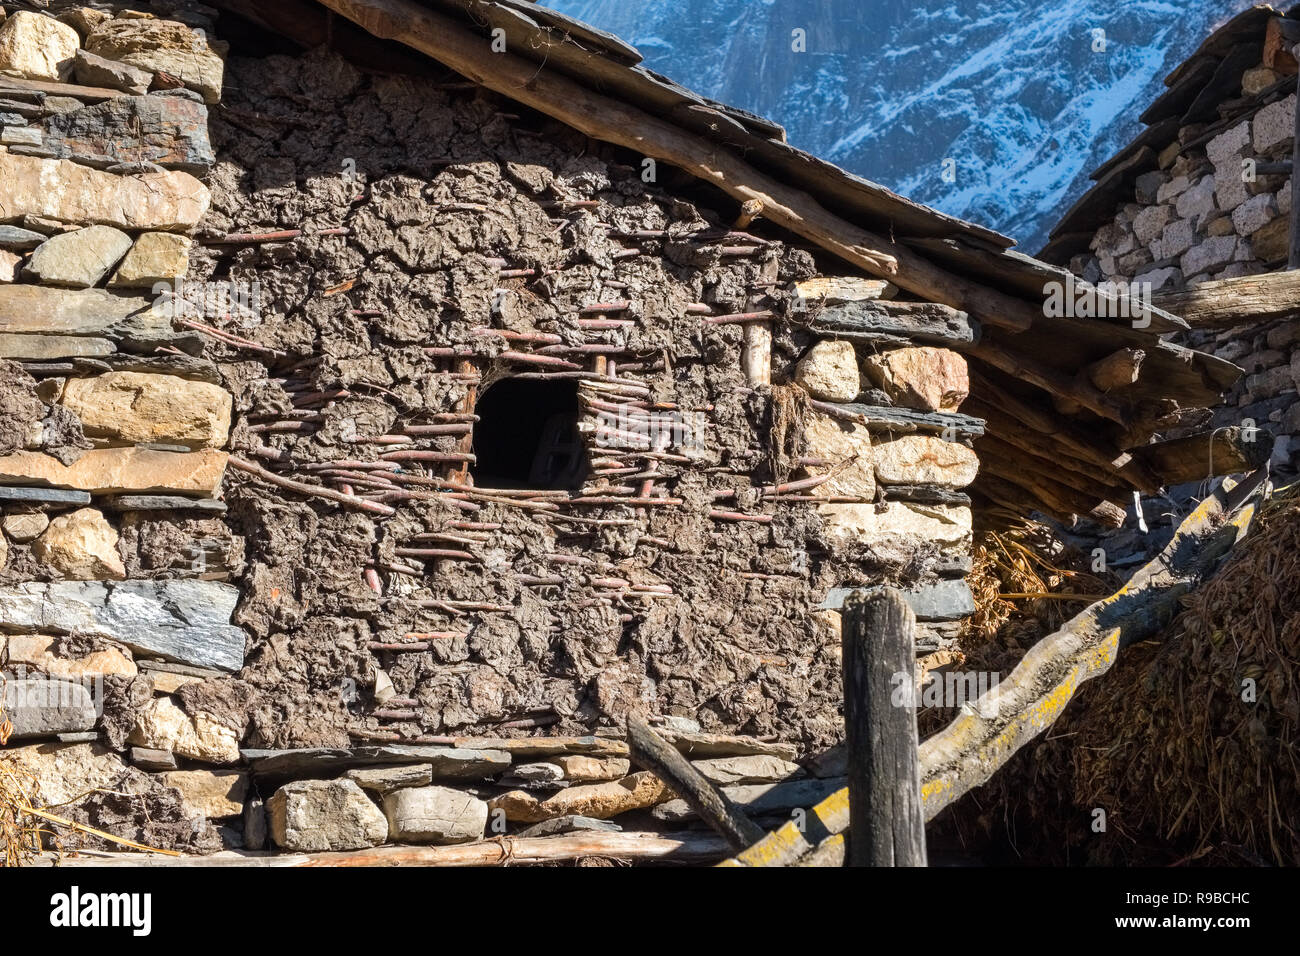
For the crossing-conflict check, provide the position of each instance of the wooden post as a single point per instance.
(756, 360)
(647, 749)
(1293, 261)
(886, 817)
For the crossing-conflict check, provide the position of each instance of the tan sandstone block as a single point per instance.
(924, 460)
(63, 190)
(830, 372)
(942, 525)
(162, 46)
(35, 651)
(211, 793)
(144, 407)
(599, 800)
(37, 47)
(82, 546)
(847, 446)
(930, 379)
(155, 257)
(162, 725)
(120, 470)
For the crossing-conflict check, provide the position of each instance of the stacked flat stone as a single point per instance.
(103, 146)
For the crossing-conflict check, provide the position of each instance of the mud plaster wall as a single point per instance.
(704, 618)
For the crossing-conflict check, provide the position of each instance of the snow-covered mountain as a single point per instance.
(1023, 97)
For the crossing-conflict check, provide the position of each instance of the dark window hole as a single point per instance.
(527, 436)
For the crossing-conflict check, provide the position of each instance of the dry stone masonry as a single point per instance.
(1203, 195)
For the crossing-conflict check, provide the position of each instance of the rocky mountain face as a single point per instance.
(995, 112)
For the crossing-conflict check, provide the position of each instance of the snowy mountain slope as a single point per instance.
(1017, 94)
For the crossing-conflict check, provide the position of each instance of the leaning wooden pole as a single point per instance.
(885, 812)
(451, 42)
(982, 739)
(650, 751)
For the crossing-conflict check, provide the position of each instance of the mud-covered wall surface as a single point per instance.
(596, 608)
(271, 574)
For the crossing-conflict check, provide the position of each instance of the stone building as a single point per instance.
(397, 396)
(1198, 206)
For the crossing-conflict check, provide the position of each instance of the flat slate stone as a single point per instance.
(28, 347)
(16, 239)
(167, 130)
(44, 708)
(44, 496)
(759, 799)
(569, 824)
(907, 420)
(447, 763)
(868, 320)
(946, 600)
(162, 503)
(182, 620)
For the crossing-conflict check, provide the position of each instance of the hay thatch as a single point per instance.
(1186, 764)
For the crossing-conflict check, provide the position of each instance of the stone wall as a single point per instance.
(1215, 208)
(253, 593)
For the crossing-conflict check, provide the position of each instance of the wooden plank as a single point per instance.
(1245, 300)
(651, 752)
(885, 810)
(1224, 451)
(1249, 24)
(1293, 257)
(1174, 101)
(991, 730)
(1224, 84)
(1157, 136)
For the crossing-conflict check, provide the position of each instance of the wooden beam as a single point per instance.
(1116, 370)
(453, 43)
(879, 643)
(503, 851)
(1020, 365)
(1224, 451)
(1245, 300)
(651, 752)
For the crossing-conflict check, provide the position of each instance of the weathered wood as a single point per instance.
(1245, 300)
(980, 741)
(610, 120)
(1175, 100)
(1116, 370)
(1098, 204)
(869, 320)
(902, 420)
(504, 851)
(1223, 83)
(653, 753)
(1224, 451)
(1021, 365)
(756, 356)
(885, 813)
